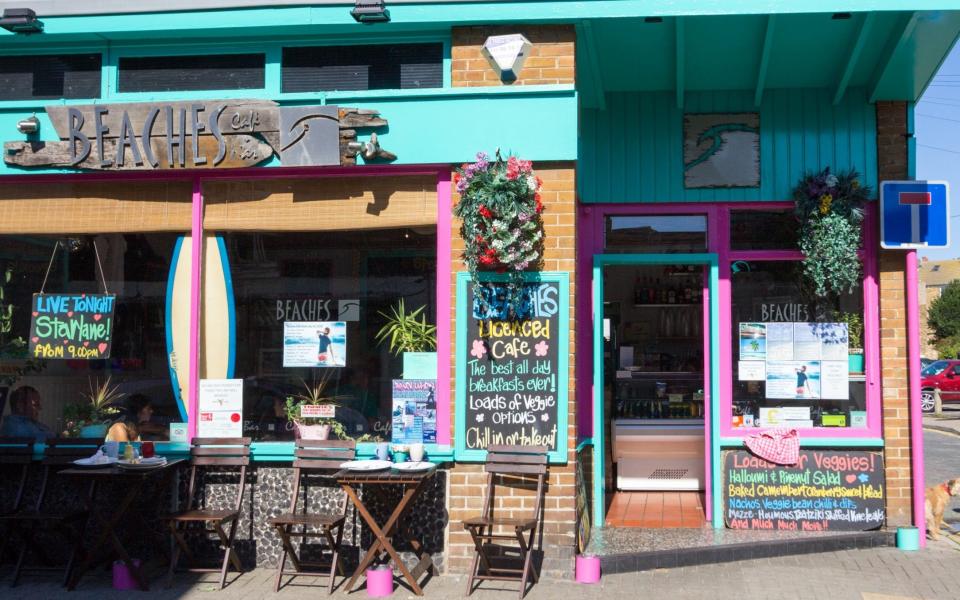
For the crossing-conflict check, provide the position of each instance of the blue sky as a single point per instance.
(937, 129)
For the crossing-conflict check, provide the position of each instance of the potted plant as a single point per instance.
(854, 323)
(90, 419)
(830, 210)
(314, 427)
(407, 331)
(13, 347)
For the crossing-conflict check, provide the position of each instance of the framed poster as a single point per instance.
(314, 344)
(512, 371)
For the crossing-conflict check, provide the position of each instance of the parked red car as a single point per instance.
(943, 375)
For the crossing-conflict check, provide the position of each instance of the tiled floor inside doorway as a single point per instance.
(656, 510)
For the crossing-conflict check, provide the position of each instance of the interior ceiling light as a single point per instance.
(370, 11)
(21, 20)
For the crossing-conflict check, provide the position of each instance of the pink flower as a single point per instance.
(478, 349)
(541, 348)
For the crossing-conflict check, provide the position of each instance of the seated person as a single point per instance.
(134, 422)
(23, 420)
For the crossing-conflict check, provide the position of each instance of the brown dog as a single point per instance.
(938, 499)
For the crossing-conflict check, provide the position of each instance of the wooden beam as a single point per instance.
(593, 93)
(764, 60)
(681, 59)
(901, 34)
(865, 26)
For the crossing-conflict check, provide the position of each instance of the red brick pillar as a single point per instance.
(892, 164)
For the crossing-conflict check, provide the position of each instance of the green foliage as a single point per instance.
(313, 394)
(948, 347)
(830, 210)
(854, 323)
(407, 332)
(943, 316)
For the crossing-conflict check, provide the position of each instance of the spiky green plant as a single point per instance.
(407, 331)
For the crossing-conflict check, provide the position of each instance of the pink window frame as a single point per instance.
(198, 177)
(871, 325)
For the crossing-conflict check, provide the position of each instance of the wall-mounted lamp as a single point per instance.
(29, 126)
(21, 20)
(370, 11)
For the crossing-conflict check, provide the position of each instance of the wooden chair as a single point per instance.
(14, 451)
(211, 452)
(508, 462)
(26, 522)
(314, 459)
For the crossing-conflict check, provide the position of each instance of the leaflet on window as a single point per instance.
(315, 344)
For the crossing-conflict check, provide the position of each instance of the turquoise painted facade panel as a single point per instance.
(633, 150)
(425, 127)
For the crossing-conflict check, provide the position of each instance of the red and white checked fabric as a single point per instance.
(780, 445)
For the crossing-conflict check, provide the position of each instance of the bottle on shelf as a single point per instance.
(671, 296)
(638, 291)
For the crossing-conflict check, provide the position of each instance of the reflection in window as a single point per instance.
(687, 233)
(348, 276)
(136, 267)
(763, 230)
(769, 382)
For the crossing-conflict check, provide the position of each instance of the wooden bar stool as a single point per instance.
(491, 560)
(211, 452)
(314, 459)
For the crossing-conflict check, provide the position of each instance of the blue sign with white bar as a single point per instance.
(914, 214)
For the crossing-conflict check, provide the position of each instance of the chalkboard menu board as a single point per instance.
(512, 366)
(827, 490)
(71, 326)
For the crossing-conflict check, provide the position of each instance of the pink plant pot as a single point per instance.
(122, 577)
(312, 432)
(379, 582)
(588, 569)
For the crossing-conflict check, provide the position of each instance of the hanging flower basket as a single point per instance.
(830, 209)
(500, 210)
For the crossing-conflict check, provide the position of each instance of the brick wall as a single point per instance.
(892, 164)
(467, 480)
(551, 59)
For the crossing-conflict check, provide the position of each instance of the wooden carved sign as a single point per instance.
(199, 135)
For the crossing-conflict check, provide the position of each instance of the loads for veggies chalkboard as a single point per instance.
(71, 326)
(827, 490)
(512, 365)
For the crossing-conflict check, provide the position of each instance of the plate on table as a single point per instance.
(366, 465)
(413, 467)
(144, 463)
(95, 462)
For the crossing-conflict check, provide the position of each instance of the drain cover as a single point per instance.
(669, 474)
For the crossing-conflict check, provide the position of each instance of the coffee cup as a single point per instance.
(111, 449)
(416, 452)
(383, 451)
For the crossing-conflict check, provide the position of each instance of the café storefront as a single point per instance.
(238, 204)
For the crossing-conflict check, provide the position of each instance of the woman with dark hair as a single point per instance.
(134, 420)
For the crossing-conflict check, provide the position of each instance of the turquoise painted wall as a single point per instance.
(632, 151)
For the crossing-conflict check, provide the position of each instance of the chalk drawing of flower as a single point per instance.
(479, 418)
(478, 349)
(541, 348)
(864, 478)
(544, 417)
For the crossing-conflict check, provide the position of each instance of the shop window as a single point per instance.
(659, 234)
(135, 268)
(763, 230)
(191, 73)
(796, 363)
(331, 68)
(291, 291)
(46, 77)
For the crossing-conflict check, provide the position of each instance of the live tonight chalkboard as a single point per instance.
(71, 326)
(827, 490)
(512, 366)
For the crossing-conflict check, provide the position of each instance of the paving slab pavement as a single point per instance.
(871, 574)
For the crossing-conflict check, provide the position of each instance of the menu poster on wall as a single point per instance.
(512, 366)
(315, 344)
(414, 411)
(753, 341)
(827, 490)
(220, 408)
(71, 326)
(793, 379)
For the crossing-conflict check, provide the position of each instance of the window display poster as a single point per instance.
(793, 379)
(315, 344)
(753, 341)
(835, 384)
(806, 341)
(779, 341)
(220, 407)
(414, 411)
(835, 341)
(751, 370)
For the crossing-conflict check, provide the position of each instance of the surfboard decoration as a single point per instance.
(218, 325)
